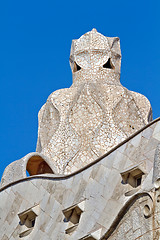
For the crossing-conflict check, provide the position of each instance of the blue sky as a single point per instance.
(34, 57)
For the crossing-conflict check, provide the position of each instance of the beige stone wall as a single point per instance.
(97, 193)
(139, 222)
(95, 174)
(79, 124)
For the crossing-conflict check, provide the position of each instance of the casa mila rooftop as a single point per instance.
(95, 174)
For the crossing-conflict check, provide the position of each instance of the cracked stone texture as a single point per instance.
(107, 205)
(81, 123)
(77, 125)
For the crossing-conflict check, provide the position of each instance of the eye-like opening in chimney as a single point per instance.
(76, 67)
(108, 64)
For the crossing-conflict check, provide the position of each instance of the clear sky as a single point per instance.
(35, 40)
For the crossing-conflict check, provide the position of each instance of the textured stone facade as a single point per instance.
(79, 124)
(114, 209)
(96, 171)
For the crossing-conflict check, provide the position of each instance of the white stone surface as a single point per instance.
(100, 188)
(79, 124)
(76, 126)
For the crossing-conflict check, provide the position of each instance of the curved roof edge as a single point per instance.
(62, 177)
